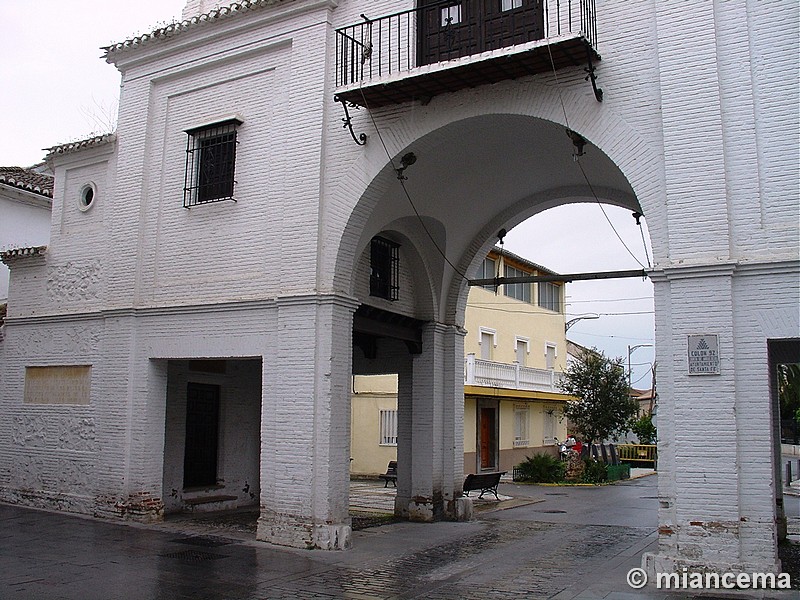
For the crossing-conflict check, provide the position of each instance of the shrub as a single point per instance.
(541, 468)
(594, 471)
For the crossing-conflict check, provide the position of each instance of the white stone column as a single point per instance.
(430, 429)
(705, 520)
(305, 424)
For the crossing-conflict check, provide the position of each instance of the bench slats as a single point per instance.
(485, 482)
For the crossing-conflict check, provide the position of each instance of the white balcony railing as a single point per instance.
(487, 373)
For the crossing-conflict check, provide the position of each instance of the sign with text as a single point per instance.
(704, 354)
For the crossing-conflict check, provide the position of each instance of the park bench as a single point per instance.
(485, 482)
(390, 475)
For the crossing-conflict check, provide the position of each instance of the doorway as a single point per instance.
(452, 29)
(202, 435)
(488, 446)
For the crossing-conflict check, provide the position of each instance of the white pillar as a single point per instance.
(430, 429)
(305, 425)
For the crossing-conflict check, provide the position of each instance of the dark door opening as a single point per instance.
(487, 438)
(450, 29)
(202, 435)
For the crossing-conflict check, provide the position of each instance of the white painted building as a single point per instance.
(160, 322)
(25, 197)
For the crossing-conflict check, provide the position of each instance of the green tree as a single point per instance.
(789, 389)
(603, 408)
(644, 429)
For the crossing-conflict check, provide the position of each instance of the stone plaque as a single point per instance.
(58, 385)
(704, 354)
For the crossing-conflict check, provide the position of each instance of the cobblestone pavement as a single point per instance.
(535, 551)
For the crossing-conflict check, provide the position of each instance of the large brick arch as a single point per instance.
(636, 156)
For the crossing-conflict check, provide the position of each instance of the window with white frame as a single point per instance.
(520, 291)
(550, 296)
(388, 425)
(210, 163)
(522, 349)
(549, 425)
(550, 355)
(521, 425)
(487, 342)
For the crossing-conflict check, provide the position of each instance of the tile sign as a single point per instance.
(704, 354)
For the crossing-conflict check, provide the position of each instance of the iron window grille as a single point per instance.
(384, 279)
(210, 163)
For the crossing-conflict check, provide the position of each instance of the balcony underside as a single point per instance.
(470, 72)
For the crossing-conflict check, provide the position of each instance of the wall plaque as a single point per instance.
(58, 385)
(704, 354)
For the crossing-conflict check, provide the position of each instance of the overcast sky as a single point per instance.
(56, 89)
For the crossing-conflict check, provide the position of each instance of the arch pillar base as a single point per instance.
(427, 510)
(286, 530)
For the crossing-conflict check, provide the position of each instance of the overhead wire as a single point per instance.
(580, 166)
(405, 190)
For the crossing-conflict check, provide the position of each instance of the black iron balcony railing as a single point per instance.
(442, 30)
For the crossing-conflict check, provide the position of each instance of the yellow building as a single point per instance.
(515, 353)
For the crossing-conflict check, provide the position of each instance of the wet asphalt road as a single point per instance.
(572, 543)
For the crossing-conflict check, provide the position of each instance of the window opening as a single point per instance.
(384, 279)
(388, 420)
(521, 425)
(519, 291)
(510, 4)
(487, 270)
(210, 163)
(550, 296)
(451, 15)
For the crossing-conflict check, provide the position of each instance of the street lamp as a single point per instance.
(572, 322)
(631, 350)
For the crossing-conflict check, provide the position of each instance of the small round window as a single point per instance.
(87, 197)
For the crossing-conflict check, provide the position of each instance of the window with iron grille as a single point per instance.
(384, 278)
(388, 424)
(210, 163)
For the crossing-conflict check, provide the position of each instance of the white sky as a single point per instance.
(56, 89)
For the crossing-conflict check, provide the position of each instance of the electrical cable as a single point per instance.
(580, 166)
(405, 190)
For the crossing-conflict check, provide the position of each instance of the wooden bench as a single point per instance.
(390, 475)
(485, 482)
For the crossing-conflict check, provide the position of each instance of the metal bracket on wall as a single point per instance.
(598, 92)
(362, 137)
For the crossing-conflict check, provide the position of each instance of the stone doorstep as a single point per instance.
(209, 503)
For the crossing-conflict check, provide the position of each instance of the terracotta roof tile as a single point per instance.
(98, 140)
(177, 27)
(7, 255)
(26, 179)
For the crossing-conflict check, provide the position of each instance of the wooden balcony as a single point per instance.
(442, 47)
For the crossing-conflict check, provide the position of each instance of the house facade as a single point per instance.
(25, 199)
(515, 349)
(282, 207)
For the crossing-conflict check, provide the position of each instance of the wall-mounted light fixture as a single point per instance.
(408, 159)
(578, 141)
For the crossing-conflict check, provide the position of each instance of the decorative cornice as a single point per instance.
(9, 256)
(70, 147)
(727, 269)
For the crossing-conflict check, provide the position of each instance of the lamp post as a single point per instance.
(572, 322)
(631, 350)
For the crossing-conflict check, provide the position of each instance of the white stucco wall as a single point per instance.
(703, 140)
(24, 222)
